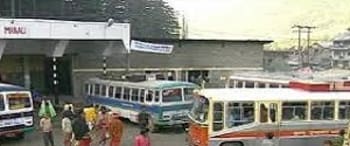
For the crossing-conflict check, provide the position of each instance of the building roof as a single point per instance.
(207, 40)
(319, 76)
(155, 84)
(270, 94)
(9, 87)
(345, 36)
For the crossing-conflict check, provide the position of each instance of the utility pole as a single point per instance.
(301, 52)
(299, 44)
(308, 42)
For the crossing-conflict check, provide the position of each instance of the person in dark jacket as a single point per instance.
(143, 118)
(81, 130)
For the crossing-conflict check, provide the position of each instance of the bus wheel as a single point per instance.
(151, 126)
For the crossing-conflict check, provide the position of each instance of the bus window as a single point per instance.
(239, 114)
(273, 112)
(218, 122)
(294, 110)
(171, 95)
(86, 89)
(142, 95)
(97, 89)
(91, 91)
(231, 83)
(18, 101)
(249, 84)
(261, 85)
(239, 84)
(103, 90)
(149, 96)
(344, 110)
(2, 104)
(322, 110)
(134, 94)
(156, 97)
(200, 109)
(110, 91)
(126, 94)
(188, 93)
(232, 143)
(272, 85)
(263, 113)
(118, 92)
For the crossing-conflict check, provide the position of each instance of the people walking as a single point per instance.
(115, 130)
(81, 130)
(268, 141)
(102, 127)
(142, 139)
(339, 140)
(143, 118)
(67, 129)
(328, 143)
(90, 116)
(47, 109)
(46, 128)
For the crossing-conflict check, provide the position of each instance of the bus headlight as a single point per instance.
(166, 117)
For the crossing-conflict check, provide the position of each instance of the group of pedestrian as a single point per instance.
(85, 127)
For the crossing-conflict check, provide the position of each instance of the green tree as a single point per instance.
(148, 18)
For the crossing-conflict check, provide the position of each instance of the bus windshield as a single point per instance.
(172, 95)
(18, 101)
(200, 109)
(2, 104)
(188, 93)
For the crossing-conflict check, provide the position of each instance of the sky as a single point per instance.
(264, 19)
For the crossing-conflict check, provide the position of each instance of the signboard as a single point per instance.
(14, 30)
(151, 47)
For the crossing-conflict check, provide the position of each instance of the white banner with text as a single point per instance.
(151, 47)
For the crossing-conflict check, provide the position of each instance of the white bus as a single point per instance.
(16, 111)
(237, 81)
(242, 117)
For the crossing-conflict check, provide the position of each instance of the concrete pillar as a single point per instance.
(2, 47)
(178, 75)
(26, 72)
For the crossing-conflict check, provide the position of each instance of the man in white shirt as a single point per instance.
(67, 129)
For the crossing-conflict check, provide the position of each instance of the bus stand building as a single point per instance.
(39, 54)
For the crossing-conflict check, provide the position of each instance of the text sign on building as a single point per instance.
(150, 47)
(14, 30)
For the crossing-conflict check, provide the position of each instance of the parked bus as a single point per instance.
(237, 81)
(168, 102)
(16, 111)
(243, 117)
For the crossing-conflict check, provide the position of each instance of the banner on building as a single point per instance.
(151, 47)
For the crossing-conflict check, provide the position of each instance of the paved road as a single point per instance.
(167, 137)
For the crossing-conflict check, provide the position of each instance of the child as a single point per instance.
(142, 139)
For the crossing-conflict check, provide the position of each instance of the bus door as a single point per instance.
(269, 118)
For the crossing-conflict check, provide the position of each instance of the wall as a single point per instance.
(222, 57)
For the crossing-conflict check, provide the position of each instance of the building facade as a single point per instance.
(340, 51)
(80, 50)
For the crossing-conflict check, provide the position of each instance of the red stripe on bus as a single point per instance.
(285, 133)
